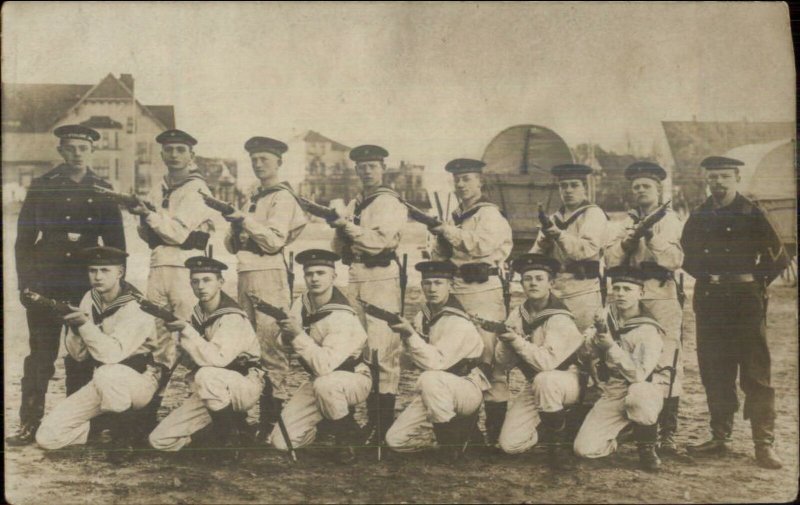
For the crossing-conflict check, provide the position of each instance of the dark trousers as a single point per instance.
(45, 328)
(731, 339)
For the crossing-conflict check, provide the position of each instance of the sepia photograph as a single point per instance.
(399, 252)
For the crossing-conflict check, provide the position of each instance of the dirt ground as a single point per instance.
(266, 476)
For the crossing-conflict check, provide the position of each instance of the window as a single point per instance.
(116, 169)
(103, 143)
(116, 140)
(100, 168)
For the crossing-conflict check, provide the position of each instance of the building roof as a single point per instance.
(35, 108)
(313, 136)
(102, 122)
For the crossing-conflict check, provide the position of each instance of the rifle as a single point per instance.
(421, 216)
(379, 313)
(375, 371)
(272, 311)
(673, 373)
(223, 208)
(126, 200)
(315, 209)
(286, 439)
(544, 219)
(290, 275)
(609, 324)
(497, 327)
(647, 222)
(34, 298)
(403, 283)
(506, 281)
(155, 310)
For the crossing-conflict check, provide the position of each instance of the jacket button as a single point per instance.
(67, 218)
(68, 255)
(705, 251)
(728, 228)
(69, 199)
(89, 218)
(89, 200)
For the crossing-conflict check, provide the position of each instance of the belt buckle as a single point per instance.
(714, 278)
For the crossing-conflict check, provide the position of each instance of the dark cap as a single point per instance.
(436, 269)
(265, 145)
(645, 169)
(625, 274)
(175, 137)
(368, 153)
(317, 257)
(204, 264)
(571, 171)
(534, 261)
(720, 162)
(76, 131)
(464, 166)
(96, 256)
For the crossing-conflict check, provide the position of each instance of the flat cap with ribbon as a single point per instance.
(76, 131)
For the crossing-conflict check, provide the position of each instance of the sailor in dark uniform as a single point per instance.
(60, 216)
(734, 254)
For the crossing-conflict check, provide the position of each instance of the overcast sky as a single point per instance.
(430, 82)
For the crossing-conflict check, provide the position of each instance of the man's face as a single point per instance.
(176, 156)
(722, 182)
(319, 278)
(536, 284)
(105, 278)
(626, 295)
(572, 191)
(467, 186)
(370, 172)
(206, 285)
(77, 153)
(645, 191)
(265, 165)
(436, 290)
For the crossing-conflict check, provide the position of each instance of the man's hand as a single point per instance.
(552, 232)
(629, 241)
(289, 329)
(507, 337)
(236, 216)
(176, 325)
(437, 230)
(339, 222)
(404, 328)
(140, 209)
(76, 318)
(603, 340)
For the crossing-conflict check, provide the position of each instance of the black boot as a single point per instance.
(721, 429)
(268, 412)
(646, 437)
(495, 417)
(379, 425)
(25, 435)
(447, 440)
(225, 429)
(347, 434)
(667, 426)
(559, 451)
(763, 437)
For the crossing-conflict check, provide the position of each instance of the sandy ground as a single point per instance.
(266, 476)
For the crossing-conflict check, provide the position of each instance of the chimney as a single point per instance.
(127, 80)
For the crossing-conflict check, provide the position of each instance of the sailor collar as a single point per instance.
(128, 293)
(451, 307)
(554, 307)
(227, 305)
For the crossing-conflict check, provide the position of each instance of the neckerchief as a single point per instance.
(127, 294)
(262, 192)
(460, 217)
(227, 305)
(564, 224)
(167, 190)
(362, 203)
(310, 316)
(554, 307)
(452, 306)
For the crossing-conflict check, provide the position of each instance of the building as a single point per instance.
(127, 154)
(330, 174)
(220, 174)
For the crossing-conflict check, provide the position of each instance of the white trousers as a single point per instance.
(549, 392)
(386, 295)
(328, 397)
(212, 389)
(489, 305)
(113, 388)
(584, 307)
(169, 286)
(442, 396)
(617, 407)
(272, 287)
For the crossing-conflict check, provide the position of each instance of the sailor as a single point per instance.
(367, 237)
(259, 234)
(543, 343)
(447, 347)
(325, 332)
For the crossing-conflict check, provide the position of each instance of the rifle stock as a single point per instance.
(379, 313)
(491, 326)
(223, 208)
(267, 308)
(315, 209)
(156, 310)
(544, 219)
(421, 216)
(34, 298)
(126, 200)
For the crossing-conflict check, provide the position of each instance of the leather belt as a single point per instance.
(729, 278)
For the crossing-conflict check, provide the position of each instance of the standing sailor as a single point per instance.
(367, 237)
(258, 237)
(575, 237)
(658, 253)
(478, 242)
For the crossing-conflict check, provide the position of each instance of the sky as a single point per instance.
(428, 81)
